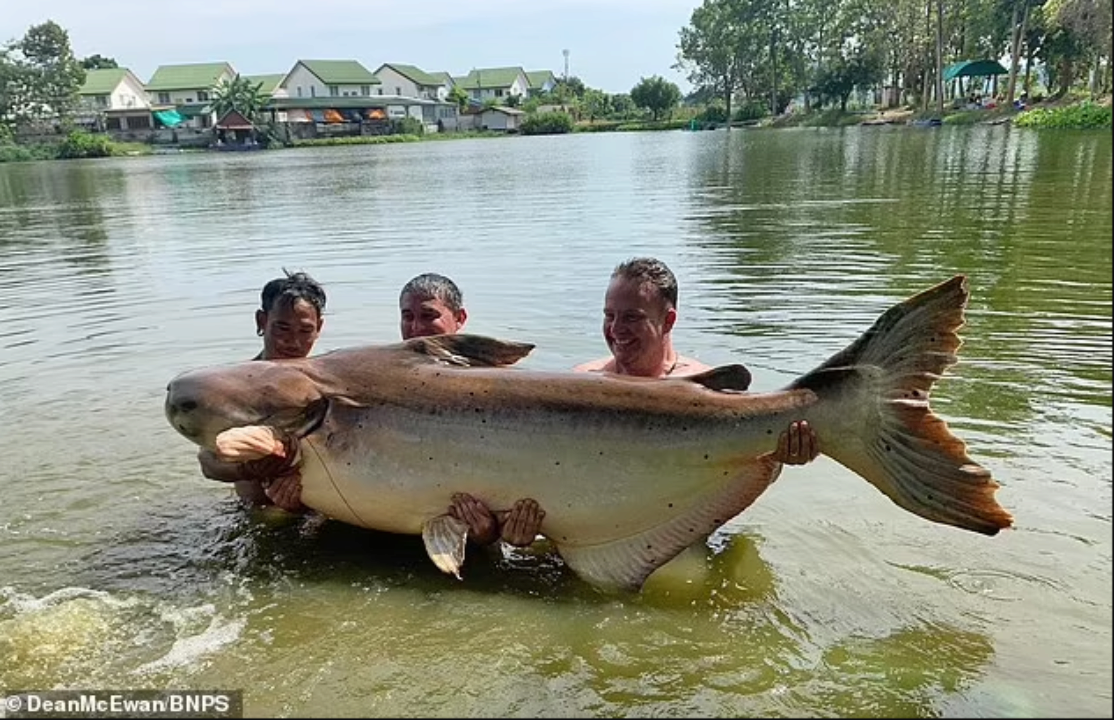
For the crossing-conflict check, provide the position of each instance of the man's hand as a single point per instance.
(251, 442)
(285, 491)
(483, 528)
(522, 522)
(798, 445)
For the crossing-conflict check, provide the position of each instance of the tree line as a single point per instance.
(771, 51)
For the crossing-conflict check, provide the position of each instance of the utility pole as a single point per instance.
(565, 52)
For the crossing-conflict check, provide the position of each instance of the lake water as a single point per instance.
(121, 567)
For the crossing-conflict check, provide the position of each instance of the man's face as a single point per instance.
(636, 321)
(289, 331)
(420, 317)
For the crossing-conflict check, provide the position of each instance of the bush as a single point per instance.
(1085, 115)
(547, 123)
(751, 110)
(407, 126)
(714, 112)
(80, 144)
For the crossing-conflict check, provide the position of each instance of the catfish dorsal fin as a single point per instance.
(470, 350)
(724, 378)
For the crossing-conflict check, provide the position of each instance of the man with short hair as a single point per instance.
(430, 304)
(289, 319)
(639, 313)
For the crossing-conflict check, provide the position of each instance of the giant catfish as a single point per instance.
(629, 472)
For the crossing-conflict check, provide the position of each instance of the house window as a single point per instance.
(202, 96)
(380, 90)
(102, 101)
(365, 90)
(313, 91)
(499, 92)
(164, 98)
(334, 91)
(398, 90)
(299, 91)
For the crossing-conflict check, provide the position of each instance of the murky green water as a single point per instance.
(121, 567)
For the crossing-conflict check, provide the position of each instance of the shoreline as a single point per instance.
(1085, 114)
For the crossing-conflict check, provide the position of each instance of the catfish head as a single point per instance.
(201, 404)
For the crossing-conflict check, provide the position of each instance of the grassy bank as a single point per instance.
(77, 145)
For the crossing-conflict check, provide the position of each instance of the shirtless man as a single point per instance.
(639, 312)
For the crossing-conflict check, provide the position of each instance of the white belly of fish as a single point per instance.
(393, 469)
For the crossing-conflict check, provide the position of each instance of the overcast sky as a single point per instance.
(611, 43)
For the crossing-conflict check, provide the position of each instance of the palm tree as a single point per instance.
(241, 95)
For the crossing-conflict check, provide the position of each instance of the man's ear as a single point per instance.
(669, 321)
(260, 322)
(461, 318)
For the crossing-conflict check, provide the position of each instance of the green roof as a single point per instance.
(195, 76)
(489, 78)
(442, 78)
(102, 82)
(414, 74)
(340, 72)
(270, 82)
(974, 68)
(538, 78)
(369, 101)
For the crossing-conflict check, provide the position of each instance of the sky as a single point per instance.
(611, 43)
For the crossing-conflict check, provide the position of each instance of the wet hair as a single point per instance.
(431, 286)
(651, 271)
(287, 290)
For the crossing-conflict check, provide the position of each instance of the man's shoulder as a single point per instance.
(689, 366)
(599, 365)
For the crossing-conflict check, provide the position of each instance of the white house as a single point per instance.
(187, 90)
(410, 81)
(327, 79)
(113, 99)
(494, 83)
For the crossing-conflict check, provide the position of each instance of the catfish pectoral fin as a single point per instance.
(444, 537)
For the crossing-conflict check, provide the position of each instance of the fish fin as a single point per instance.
(465, 350)
(444, 537)
(624, 564)
(725, 378)
(894, 440)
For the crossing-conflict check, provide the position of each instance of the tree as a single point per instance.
(709, 49)
(39, 77)
(622, 105)
(99, 62)
(656, 94)
(596, 103)
(459, 96)
(241, 95)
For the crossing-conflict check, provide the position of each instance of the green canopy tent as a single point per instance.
(974, 69)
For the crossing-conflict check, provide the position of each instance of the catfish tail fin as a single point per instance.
(896, 442)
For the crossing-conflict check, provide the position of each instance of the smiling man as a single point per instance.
(639, 312)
